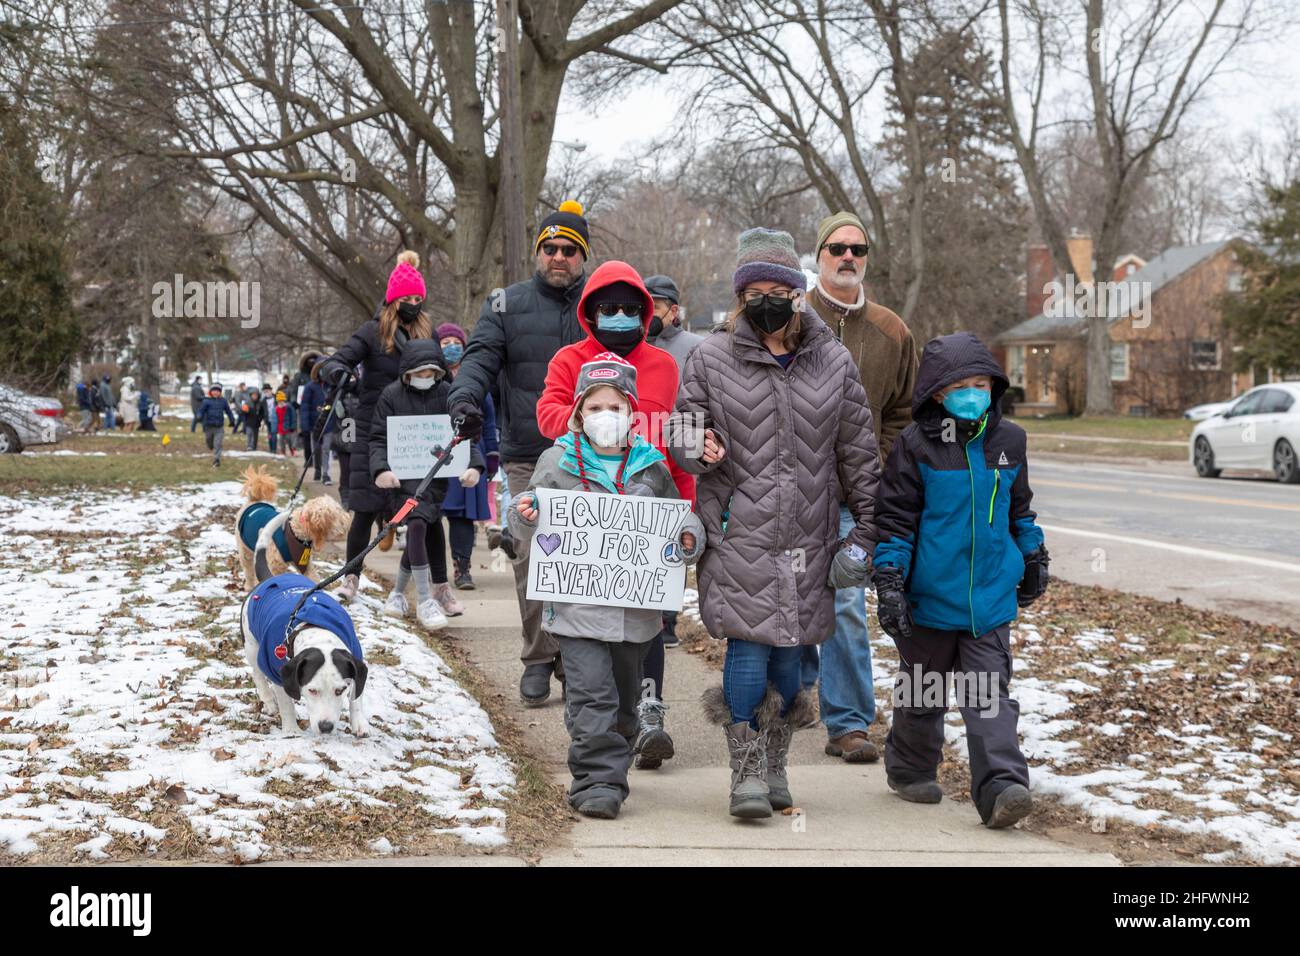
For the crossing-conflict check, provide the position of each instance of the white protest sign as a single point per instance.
(411, 441)
(615, 550)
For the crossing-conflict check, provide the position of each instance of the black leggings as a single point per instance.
(653, 667)
(361, 530)
(424, 547)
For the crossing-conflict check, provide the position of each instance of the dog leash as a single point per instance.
(444, 455)
(317, 432)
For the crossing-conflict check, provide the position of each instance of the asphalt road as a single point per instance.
(1227, 544)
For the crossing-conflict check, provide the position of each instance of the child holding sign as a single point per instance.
(420, 389)
(602, 647)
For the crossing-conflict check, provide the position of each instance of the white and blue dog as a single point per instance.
(318, 662)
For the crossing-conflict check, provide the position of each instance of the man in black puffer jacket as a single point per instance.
(518, 333)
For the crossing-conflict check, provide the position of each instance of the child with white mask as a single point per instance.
(602, 647)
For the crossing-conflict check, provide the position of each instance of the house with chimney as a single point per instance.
(1169, 348)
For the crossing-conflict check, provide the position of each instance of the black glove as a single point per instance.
(333, 374)
(891, 603)
(467, 420)
(1034, 583)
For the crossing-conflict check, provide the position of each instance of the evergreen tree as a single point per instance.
(1264, 318)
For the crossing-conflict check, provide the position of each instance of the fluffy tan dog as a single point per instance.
(273, 542)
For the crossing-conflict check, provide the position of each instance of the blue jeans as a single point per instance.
(747, 670)
(848, 698)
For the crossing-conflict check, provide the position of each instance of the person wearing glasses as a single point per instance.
(617, 310)
(518, 332)
(787, 435)
(886, 357)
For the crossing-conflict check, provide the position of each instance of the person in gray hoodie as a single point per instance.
(602, 647)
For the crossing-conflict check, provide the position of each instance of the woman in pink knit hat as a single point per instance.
(376, 347)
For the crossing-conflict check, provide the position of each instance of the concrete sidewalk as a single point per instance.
(678, 815)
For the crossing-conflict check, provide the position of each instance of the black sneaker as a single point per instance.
(926, 791)
(463, 580)
(603, 806)
(1012, 805)
(535, 685)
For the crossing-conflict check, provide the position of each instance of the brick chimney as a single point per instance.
(1039, 271)
(1079, 245)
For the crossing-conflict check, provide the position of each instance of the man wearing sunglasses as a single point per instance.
(886, 356)
(519, 331)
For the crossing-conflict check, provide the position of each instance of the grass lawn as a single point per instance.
(1117, 437)
(136, 461)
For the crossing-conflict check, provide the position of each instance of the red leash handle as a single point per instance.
(402, 512)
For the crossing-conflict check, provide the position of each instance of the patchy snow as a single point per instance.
(127, 712)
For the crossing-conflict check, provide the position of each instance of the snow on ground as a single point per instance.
(128, 722)
(1184, 788)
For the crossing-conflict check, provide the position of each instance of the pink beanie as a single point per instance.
(405, 278)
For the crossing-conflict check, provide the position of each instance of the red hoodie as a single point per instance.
(656, 376)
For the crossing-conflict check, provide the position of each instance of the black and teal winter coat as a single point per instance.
(954, 508)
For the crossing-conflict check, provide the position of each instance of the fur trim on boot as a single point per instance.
(716, 709)
(780, 729)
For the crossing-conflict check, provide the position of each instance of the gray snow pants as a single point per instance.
(602, 681)
(914, 745)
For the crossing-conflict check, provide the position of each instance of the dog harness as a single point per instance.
(269, 608)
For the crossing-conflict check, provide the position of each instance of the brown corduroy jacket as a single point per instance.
(886, 356)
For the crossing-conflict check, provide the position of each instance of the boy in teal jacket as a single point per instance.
(959, 552)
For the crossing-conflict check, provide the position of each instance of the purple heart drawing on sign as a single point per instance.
(549, 542)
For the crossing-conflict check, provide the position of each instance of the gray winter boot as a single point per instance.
(780, 729)
(748, 748)
(653, 745)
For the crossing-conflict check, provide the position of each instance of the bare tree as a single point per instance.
(1145, 66)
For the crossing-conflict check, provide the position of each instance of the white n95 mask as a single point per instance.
(607, 429)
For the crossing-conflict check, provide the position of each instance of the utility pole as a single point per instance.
(514, 242)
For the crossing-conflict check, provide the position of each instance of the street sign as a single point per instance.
(214, 338)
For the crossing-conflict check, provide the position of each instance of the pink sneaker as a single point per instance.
(444, 595)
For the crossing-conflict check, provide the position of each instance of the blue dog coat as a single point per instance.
(269, 608)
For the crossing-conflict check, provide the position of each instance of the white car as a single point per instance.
(29, 420)
(1199, 413)
(1259, 431)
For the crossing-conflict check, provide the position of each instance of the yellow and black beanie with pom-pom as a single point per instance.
(566, 223)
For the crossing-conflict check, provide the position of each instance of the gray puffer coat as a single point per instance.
(797, 442)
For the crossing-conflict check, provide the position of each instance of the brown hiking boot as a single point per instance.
(853, 747)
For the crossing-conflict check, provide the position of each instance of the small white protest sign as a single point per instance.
(615, 550)
(412, 440)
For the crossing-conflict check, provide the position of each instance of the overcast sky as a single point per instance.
(1266, 79)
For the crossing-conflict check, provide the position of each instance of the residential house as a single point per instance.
(1169, 349)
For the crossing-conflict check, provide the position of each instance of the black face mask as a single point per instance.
(408, 312)
(768, 316)
(620, 343)
(656, 326)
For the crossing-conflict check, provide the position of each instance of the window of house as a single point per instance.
(1234, 281)
(1119, 361)
(1016, 365)
(1205, 355)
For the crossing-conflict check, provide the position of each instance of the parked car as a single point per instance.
(1199, 413)
(29, 420)
(1260, 430)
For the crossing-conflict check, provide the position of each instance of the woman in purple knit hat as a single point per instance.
(787, 433)
(464, 506)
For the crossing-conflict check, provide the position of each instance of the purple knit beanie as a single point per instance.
(767, 255)
(452, 330)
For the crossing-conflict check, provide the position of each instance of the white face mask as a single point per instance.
(424, 384)
(607, 429)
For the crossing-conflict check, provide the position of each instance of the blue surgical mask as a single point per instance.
(618, 323)
(967, 403)
(453, 352)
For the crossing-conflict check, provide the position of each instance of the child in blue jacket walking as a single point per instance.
(210, 415)
(959, 552)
